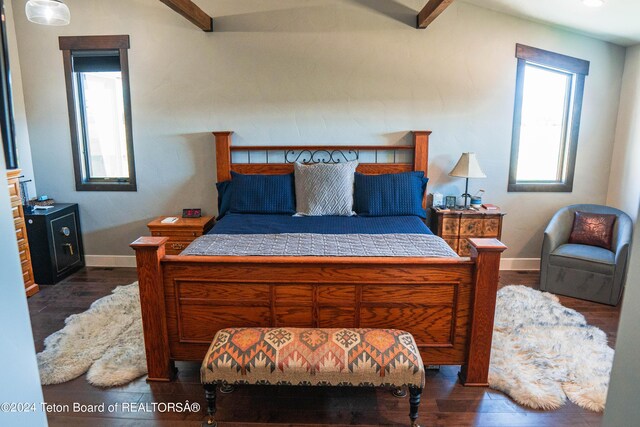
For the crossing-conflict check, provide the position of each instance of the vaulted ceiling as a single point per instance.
(202, 20)
(617, 21)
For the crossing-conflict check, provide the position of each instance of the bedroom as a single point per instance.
(318, 73)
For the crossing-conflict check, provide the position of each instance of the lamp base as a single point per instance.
(466, 194)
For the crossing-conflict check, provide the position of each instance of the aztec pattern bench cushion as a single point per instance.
(292, 356)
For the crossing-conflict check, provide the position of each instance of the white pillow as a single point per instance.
(325, 188)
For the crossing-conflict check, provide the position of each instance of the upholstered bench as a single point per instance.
(313, 357)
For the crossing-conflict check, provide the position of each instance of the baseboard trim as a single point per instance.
(110, 260)
(130, 261)
(520, 264)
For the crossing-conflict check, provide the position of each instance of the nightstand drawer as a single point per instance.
(17, 212)
(14, 192)
(27, 276)
(471, 227)
(464, 248)
(491, 227)
(450, 226)
(25, 257)
(21, 233)
(184, 234)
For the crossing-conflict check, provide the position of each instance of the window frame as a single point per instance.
(119, 43)
(579, 69)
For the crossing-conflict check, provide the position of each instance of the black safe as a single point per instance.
(55, 242)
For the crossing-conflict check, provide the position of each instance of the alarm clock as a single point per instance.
(191, 213)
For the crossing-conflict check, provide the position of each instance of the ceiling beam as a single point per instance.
(431, 11)
(192, 12)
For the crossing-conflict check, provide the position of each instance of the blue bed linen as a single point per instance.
(233, 223)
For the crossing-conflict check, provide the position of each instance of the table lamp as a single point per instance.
(467, 167)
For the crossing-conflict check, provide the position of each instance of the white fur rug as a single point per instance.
(106, 340)
(544, 353)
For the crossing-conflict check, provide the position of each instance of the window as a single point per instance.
(546, 121)
(96, 69)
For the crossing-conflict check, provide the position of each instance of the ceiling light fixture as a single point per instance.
(593, 3)
(48, 12)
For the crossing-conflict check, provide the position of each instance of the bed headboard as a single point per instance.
(279, 159)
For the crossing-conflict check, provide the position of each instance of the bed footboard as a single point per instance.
(446, 303)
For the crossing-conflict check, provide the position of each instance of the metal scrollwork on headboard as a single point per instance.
(321, 156)
(279, 159)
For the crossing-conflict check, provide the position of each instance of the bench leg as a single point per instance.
(210, 395)
(414, 403)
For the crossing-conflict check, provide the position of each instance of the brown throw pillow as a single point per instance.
(593, 229)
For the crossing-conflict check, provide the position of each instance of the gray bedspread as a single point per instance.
(302, 244)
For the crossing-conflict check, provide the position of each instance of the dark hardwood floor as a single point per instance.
(444, 403)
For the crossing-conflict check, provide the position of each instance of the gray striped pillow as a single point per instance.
(325, 189)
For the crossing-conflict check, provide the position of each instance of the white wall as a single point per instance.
(20, 381)
(624, 183)
(310, 71)
(622, 407)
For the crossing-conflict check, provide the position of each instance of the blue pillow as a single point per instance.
(224, 197)
(262, 194)
(394, 194)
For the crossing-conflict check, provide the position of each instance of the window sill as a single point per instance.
(540, 187)
(106, 186)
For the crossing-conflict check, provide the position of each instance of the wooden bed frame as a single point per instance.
(446, 303)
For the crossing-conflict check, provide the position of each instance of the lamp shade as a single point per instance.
(468, 167)
(48, 12)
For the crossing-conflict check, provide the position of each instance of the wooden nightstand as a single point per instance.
(182, 232)
(456, 227)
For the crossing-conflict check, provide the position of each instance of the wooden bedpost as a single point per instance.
(149, 252)
(223, 155)
(421, 142)
(421, 155)
(486, 254)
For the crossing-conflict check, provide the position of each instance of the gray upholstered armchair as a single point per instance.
(581, 271)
